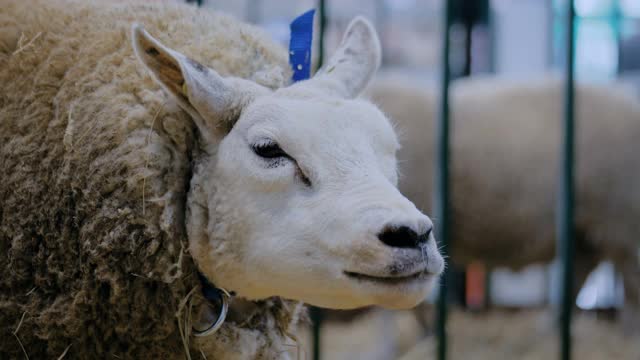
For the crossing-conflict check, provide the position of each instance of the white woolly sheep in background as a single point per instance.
(113, 198)
(505, 162)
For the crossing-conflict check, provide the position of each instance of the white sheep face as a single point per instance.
(295, 193)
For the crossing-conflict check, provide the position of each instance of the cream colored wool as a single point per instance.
(94, 167)
(505, 162)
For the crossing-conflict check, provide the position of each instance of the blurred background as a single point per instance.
(495, 311)
(507, 37)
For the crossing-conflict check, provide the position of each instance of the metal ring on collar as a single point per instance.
(224, 297)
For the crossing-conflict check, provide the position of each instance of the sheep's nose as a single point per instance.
(403, 236)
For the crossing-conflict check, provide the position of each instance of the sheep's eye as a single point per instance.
(269, 150)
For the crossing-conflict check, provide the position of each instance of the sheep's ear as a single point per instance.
(213, 101)
(355, 62)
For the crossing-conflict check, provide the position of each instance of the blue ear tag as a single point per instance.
(300, 45)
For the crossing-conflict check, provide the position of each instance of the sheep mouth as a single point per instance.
(388, 280)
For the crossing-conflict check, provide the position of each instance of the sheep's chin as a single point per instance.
(396, 297)
(400, 296)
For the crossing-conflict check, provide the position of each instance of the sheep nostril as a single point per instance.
(400, 237)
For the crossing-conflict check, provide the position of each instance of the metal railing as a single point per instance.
(442, 200)
(316, 314)
(566, 203)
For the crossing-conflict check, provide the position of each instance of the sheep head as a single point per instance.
(295, 192)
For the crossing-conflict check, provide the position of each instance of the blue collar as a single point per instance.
(217, 303)
(210, 291)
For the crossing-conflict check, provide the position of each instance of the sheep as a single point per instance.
(505, 164)
(133, 174)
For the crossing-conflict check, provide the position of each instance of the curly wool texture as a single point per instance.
(95, 166)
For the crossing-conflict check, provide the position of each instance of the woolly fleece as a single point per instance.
(95, 166)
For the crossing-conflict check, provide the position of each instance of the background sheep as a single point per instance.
(111, 193)
(505, 146)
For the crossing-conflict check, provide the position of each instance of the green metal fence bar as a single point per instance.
(316, 325)
(253, 11)
(565, 229)
(441, 206)
(322, 24)
(315, 313)
(198, 2)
